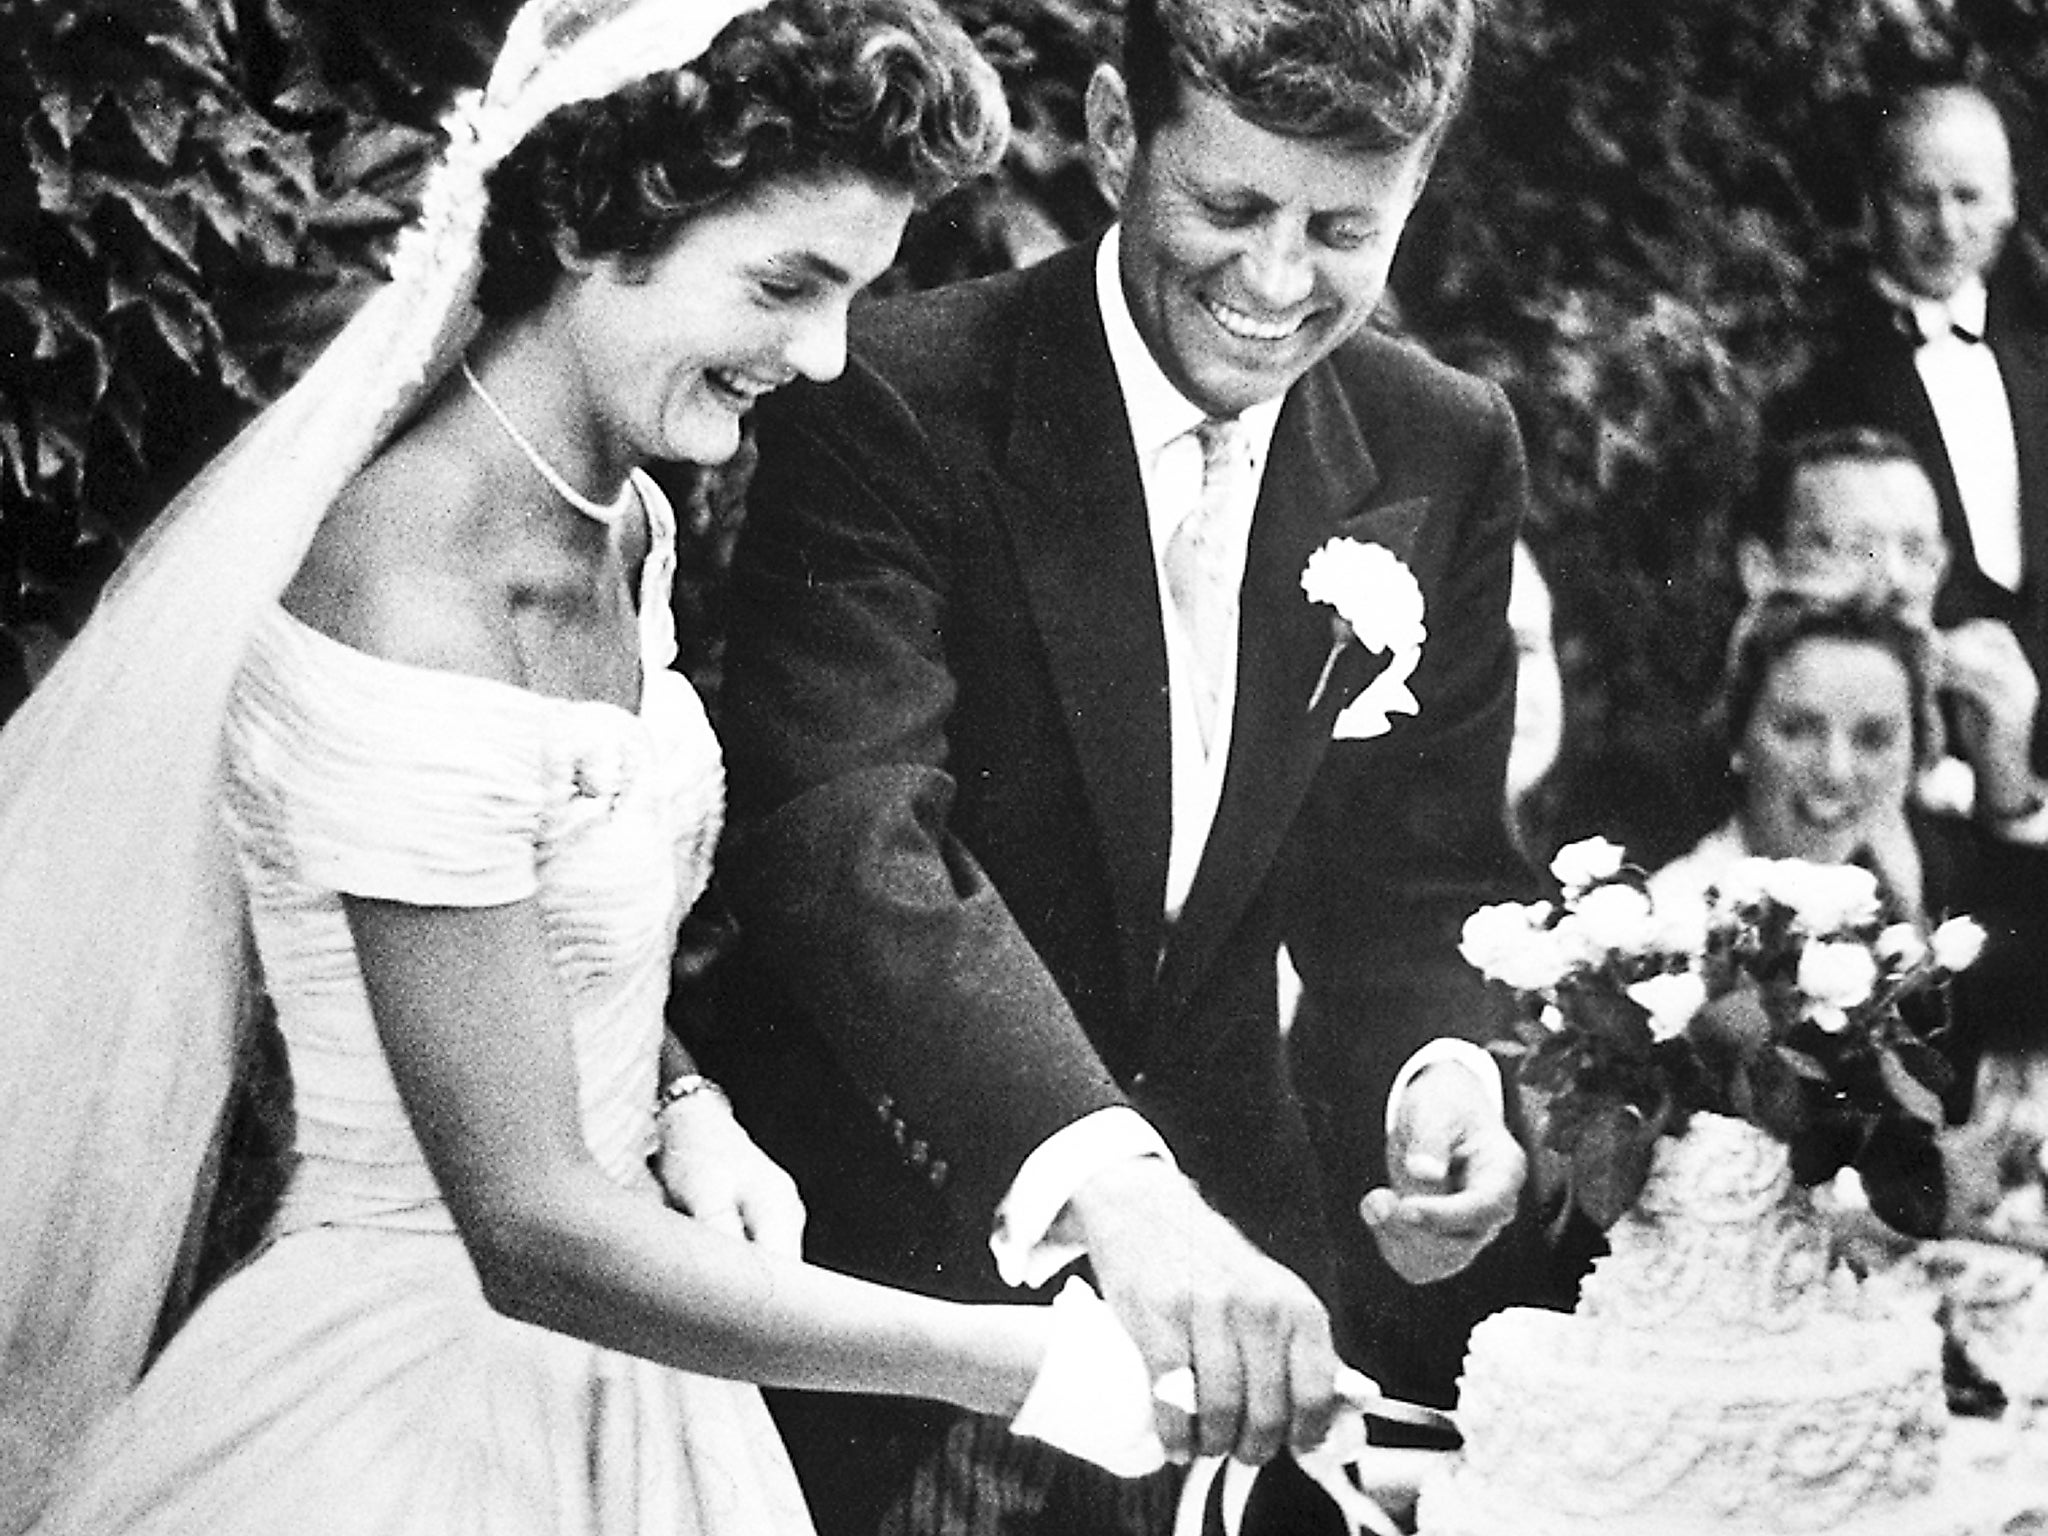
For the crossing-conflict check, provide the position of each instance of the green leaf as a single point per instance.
(1903, 1174)
(1733, 1024)
(1802, 1064)
(67, 116)
(167, 218)
(1926, 1064)
(1552, 1062)
(1610, 1162)
(14, 456)
(1911, 1095)
(1609, 1018)
(1772, 1087)
(157, 122)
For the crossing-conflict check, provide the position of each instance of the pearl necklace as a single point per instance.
(606, 513)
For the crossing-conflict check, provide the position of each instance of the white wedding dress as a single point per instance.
(351, 1380)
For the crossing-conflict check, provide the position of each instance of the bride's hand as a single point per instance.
(711, 1169)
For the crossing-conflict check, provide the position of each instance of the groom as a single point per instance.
(1023, 704)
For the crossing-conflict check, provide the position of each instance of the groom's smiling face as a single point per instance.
(1247, 255)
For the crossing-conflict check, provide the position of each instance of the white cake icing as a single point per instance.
(1716, 1377)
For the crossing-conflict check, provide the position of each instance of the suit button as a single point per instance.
(1140, 1079)
(938, 1173)
(920, 1155)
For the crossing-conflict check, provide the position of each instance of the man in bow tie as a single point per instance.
(1025, 707)
(1946, 344)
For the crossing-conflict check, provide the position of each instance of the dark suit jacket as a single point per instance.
(2001, 1002)
(1864, 375)
(946, 722)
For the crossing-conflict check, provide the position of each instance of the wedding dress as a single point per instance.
(351, 1380)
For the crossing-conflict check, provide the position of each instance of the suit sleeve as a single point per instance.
(894, 946)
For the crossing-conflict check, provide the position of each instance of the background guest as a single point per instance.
(1539, 689)
(1946, 343)
(1851, 509)
(1827, 712)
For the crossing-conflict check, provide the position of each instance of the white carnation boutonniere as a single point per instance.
(1378, 603)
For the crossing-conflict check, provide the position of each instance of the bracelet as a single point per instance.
(684, 1086)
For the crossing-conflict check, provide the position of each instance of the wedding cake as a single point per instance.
(1718, 1376)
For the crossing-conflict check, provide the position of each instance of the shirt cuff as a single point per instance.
(1025, 1253)
(1476, 1059)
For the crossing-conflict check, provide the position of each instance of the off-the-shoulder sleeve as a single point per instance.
(354, 774)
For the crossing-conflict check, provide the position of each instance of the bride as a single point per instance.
(382, 714)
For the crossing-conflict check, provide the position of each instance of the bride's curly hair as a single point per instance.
(891, 89)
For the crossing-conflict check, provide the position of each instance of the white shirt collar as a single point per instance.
(1966, 307)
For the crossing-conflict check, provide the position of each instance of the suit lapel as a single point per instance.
(1075, 510)
(1073, 503)
(1319, 473)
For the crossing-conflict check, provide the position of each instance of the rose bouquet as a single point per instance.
(1783, 996)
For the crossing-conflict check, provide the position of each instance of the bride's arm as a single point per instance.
(475, 1027)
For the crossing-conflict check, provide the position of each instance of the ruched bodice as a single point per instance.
(352, 1379)
(348, 773)
(353, 774)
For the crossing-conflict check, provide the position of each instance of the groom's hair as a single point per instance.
(1373, 75)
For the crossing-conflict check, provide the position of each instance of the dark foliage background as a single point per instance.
(1633, 229)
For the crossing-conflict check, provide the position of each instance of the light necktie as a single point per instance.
(1202, 570)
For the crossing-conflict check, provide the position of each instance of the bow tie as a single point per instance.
(1923, 326)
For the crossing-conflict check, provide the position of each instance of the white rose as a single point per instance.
(1827, 897)
(1372, 591)
(1681, 920)
(1957, 943)
(1586, 863)
(1671, 1000)
(1746, 882)
(1901, 947)
(1509, 943)
(1834, 977)
(1613, 919)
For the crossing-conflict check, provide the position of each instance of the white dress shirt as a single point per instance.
(1967, 392)
(1162, 422)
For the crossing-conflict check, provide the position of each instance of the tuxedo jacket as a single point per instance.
(1864, 374)
(947, 731)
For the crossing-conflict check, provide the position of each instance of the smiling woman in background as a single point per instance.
(1828, 711)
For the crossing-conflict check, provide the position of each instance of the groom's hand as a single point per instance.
(1193, 1292)
(1456, 1173)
